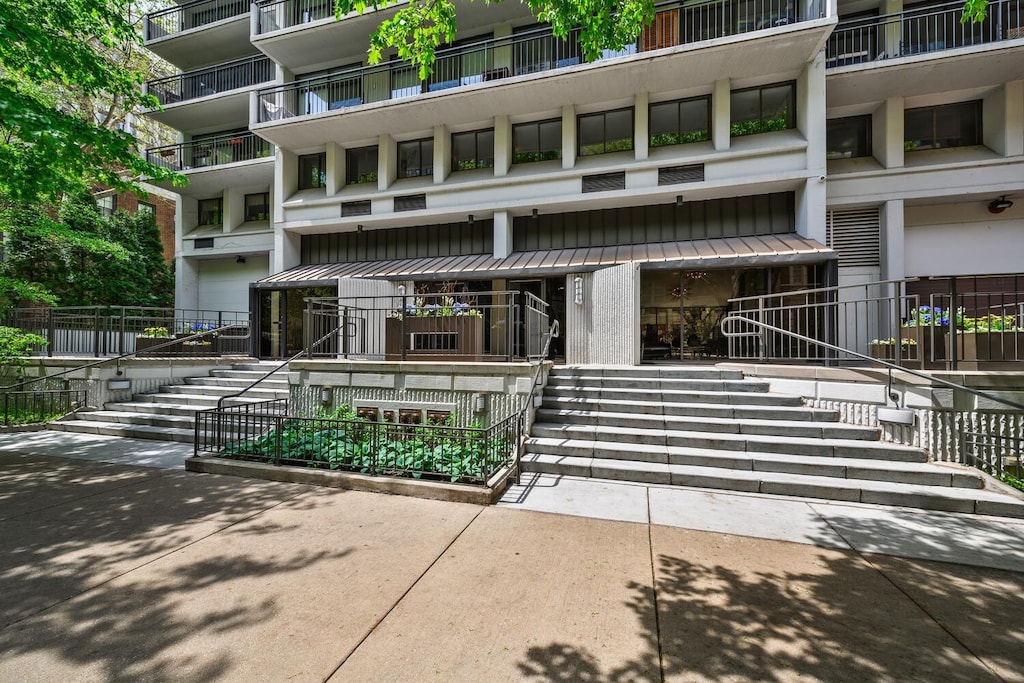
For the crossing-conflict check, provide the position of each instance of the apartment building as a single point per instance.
(738, 148)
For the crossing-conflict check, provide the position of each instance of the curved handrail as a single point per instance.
(733, 318)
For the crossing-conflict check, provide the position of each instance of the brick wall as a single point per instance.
(164, 217)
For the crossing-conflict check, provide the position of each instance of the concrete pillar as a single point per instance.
(810, 113)
(887, 133)
(810, 209)
(286, 180)
(891, 222)
(234, 208)
(641, 126)
(1003, 119)
(387, 161)
(502, 234)
(568, 136)
(335, 168)
(720, 111)
(502, 145)
(604, 328)
(442, 153)
(287, 251)
(186, 282)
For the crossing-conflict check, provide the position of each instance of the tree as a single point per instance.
(420, 27)
(63, 80)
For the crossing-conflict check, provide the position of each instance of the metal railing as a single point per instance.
(997, 455)
(264, 432)
(190, 85)
(192, 15)
(472, 326)
(948, 329)
(282, 14)
(30, 407)
(523, 53)
(207, 152)
(119, 330)
(530, 402)
(920, 30)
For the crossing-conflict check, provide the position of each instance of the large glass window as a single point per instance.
(608, 131)
(762, 109)
(211, 211)
(680, 122)
(537, 141)
(107, 205)
(416, 158)
(848, 137)
(312, 171)
(949, 125)
(361, 165)
(473, 150)
(146, 207)
(257, 206)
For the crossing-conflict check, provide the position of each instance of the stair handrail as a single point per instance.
(118, 359)
(733, 319)
(553, 332)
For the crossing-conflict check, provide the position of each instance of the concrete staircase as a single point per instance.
(712, 428)
(169, 414)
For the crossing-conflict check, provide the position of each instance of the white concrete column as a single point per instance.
(810, 113)
(641, 126)
(1002, 117)
(186, 282)
(286, 180)
(1014, 118)
(387, 161)
(887, 133)
(287, 251)
(234, 208)
(502, 145)
(891, 222)
(720, 112)
(502, 234)
(335, 168)
(442, 153)
(568, 136)
(810, 209)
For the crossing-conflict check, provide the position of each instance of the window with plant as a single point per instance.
(948, 125)
(257, 206)
(848, 137)
(537, 141)
(211, 211)
(312, 171)
(361, 165)
(416, 158)
(605, 132)
(474, 149)
(762, 109)
(680, 122)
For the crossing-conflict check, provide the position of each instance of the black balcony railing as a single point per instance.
(281, 14)
(239, 73)
(207, 152)
(520, 54)
(192, 15)
(921, 30)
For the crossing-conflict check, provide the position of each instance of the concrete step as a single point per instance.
(128, 431)
(718, 425)
(655, 384)
(919, 473)
(196, 401)
(154, 408)
(139, 418)
(949, 499)
(239, 383)
(210, 390)
(647, 372)
(673, 396)
(799, 413)
(791, 445)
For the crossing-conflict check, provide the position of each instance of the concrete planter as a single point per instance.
(435, 337)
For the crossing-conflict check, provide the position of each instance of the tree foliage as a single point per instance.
(63, 75)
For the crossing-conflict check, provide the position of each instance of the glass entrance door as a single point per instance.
(280, 319)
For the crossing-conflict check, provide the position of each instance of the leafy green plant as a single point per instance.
(15, 348)
(990, 323)
(155, 333)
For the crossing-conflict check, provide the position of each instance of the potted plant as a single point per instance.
(434, 331)
(928, 327)
(885, 349)
(991, 337)
(152, 337)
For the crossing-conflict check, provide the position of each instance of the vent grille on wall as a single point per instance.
(604, 182)
(203, 243)
(411, 202)
(355, 208)
(855, 234)
(670, 175)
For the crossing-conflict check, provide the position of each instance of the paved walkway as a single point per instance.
(112, 571)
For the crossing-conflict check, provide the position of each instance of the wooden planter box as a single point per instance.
(1005, 347)
(928, 339)
(888, 352)
(435, 337)
(144, 347)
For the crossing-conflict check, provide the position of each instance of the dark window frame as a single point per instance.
(679, 122)
(540, 154)
(355, 174)
(265, 203)
(317, 178)
(146, 207)
(605, 142)
(864, 136)
(764, 125)
(477, 162)
(211, 215)
(911, 145)
(426, 168)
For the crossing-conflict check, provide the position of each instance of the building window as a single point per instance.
(257, 207)
(848, 137)
(680, 122)
(146, 207)
(608, 131)
(361, 165)
(537, 141)
(473, 150)
(107, 205)
(211, 211)
(312, 171)
(416, 158)
(950, 125)
(763, 109)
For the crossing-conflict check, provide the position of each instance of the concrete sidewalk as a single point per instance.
(118, 572)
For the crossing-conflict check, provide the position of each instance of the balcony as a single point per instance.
(872, 58)
(787, 36)
(214, 97)
(200, 33)
(215, 163)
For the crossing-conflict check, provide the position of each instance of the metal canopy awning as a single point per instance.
(726, 252)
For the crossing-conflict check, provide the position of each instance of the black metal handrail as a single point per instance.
(211, 80)
(524, 412)
(192, 15)
(213, 151)
(43, 403)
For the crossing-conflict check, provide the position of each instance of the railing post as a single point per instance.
(121, 335)
(51, 333)
(954, 332)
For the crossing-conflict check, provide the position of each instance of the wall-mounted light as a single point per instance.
(359, 228)
(471, 219)
(401, 290)
(326, 395)
(479, 403)
(535, 213)
(577, 289)
(679, 200)
(240, 260)
(999, 205)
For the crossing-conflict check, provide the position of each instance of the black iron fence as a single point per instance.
(997, 455)
(213, 151)
(31, 407)
(264, 432)
(472, 326)
(239, 73)
(192, 15)
(115, 330)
